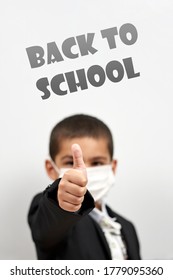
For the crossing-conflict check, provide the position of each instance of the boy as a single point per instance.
(70, 219)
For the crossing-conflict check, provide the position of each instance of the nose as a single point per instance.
(87, 163)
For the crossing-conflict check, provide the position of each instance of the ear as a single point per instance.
(114, 166)
(51, 172)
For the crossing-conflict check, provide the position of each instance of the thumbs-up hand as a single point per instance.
(72, 186)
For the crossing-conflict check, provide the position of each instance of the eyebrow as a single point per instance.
(99, 158)
(67, 157)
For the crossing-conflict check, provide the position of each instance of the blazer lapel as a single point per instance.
(102, 240)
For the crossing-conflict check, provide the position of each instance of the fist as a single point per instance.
(72, 186)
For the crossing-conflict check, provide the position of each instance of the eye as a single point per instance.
(68, 164)
(97, 163)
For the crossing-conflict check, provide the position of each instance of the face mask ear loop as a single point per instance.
(54, 166)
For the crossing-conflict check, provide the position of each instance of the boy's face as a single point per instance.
(95, 153)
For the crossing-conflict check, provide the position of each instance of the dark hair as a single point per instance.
(79, 125)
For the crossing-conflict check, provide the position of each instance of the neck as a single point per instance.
(98, 205)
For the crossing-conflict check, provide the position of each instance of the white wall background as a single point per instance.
(139, 112)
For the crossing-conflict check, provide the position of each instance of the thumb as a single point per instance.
(78, 162)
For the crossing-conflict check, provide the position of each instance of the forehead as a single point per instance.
(90, 146)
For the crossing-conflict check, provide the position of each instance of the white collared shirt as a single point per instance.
(112, 232)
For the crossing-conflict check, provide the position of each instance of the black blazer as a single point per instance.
(63, 235)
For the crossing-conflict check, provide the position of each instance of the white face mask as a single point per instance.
(100, 179)
(60, 171)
